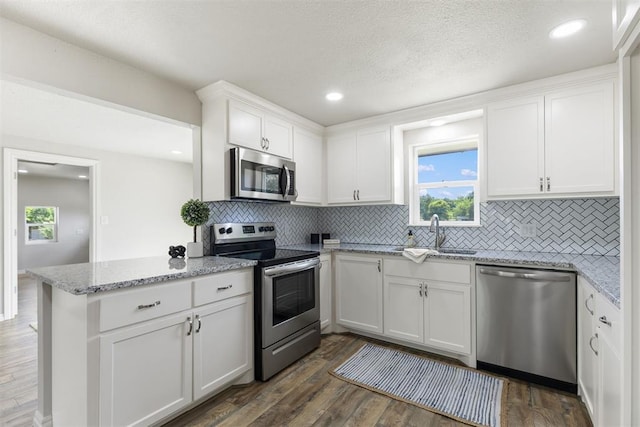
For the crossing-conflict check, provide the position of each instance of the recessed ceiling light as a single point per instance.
(438, 122)
(82, 176)
(23, 171)
(334, 96)
(567, 29)
(176, 152)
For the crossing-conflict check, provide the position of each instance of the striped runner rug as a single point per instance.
(464, 394)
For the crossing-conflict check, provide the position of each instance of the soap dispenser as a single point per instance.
(411, 242)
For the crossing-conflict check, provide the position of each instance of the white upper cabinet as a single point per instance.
(252, 128)
(232, 117)
(559, 144)
(307, 153)
(515, 149)
(579, 140)
(359, 167)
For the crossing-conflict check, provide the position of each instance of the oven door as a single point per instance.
(290, 299)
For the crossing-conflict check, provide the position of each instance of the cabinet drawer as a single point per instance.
(432, 270)
(137, 305)
(613, 331)
(222, 285)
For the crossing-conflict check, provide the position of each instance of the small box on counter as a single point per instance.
(331, 243)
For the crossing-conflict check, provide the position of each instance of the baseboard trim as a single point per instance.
(40, 421)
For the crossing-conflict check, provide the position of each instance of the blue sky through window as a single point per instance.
(456, 166)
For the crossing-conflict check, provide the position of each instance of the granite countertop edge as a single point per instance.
(602, 272)
(78, 279)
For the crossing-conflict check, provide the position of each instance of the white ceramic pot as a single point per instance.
(195, 249)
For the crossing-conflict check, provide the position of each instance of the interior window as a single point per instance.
(446, 183)
(41, 224)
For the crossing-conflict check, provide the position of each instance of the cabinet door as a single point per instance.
(279, 137)
(307, 153)
(325, 292)
(373, 166)
(359, 293)
(222, 343)
(515, 147)
(610, 366)
(341, 169)
(245, 126)
(579, 140)
(587, 346)
(447, 318)
(403, 309)
(145, 371)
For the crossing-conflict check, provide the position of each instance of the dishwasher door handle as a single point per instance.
(549, 277)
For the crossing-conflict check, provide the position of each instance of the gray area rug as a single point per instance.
(464, 394)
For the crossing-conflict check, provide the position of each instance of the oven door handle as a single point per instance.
(293, 267)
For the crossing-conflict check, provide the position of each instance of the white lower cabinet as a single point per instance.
(425, 309)
(599, 359)
(325, 293)
(145, 372)
(156, 349)
(222, 333)
(359, 292)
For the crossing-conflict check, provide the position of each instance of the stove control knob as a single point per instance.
(229, 230)
(221, 230)
(260, 229)
(272, 228)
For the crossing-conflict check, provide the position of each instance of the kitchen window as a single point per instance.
(445, 182)
(41, 224)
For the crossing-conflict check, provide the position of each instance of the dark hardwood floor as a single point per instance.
(303, 394)
(18, 360)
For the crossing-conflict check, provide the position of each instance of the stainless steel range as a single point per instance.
(286, 293)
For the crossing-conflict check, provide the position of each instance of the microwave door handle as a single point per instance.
(288, 181)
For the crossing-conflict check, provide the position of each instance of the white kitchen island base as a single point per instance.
(139, 355)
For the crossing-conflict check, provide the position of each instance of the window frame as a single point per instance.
(442, 147)
(27, 240)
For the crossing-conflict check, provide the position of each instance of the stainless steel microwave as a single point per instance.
(261, 176)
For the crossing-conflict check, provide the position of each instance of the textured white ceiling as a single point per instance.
(384, 55)
(37, 114)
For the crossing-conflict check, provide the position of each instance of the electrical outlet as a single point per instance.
(528, 230)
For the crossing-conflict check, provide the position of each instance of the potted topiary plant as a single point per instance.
(194, 213)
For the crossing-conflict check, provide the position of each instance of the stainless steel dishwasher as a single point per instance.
(526, 324)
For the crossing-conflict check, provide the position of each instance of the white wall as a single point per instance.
(140, 196)
(36, 57)
(72, 198)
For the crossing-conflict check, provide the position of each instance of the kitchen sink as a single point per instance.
(457, 251)
(443, 250)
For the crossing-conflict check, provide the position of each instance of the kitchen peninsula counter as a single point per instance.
(602, 272)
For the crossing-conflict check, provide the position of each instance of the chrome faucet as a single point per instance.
(435, 226)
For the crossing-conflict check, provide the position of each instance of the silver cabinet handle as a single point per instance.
(223, 288)
(591, 344)
(420, 292)
(379, 266)
(586, 304)
(603, 319)
(262, 142)
(143, 306)
(358, 192)
(354, 194)
(268, 143)
(190, 326)
(199, 323)
(548, 184)
(541, 185)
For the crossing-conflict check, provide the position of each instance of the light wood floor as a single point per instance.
(303, 394)
(18, 360)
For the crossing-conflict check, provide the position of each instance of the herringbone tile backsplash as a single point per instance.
(580, 226)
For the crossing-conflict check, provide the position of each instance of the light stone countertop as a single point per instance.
(92, 277)
(602, 272)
